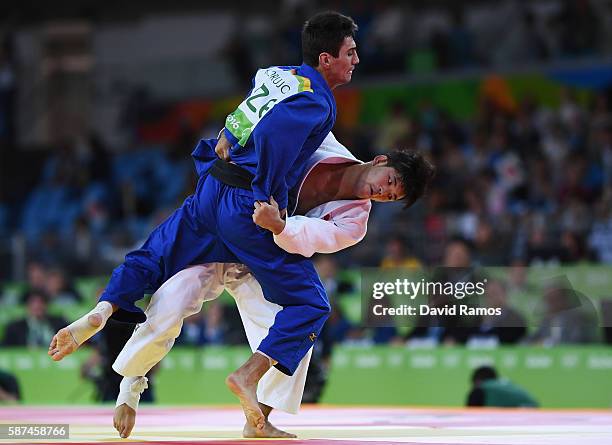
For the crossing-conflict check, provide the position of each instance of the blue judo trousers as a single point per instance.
(215, 225)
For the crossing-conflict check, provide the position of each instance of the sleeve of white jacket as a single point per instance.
(307, 235)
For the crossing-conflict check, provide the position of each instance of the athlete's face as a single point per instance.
(340, 69)
(379, 182)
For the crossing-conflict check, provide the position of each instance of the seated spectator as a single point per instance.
(193, 332)
(204, 328)
(233, 332)
(59, 287)
(53, 206)
(490, 390)
(507, 328)
(489, 249)
(36, 278)
(458, 253)
(397, 254)
(172, 171)
(327, 268)
(569, 317)
(383, 334)
(214, 324)
(9, 388)
(431, 330)
(338, 327)
(573, 247)
(448, 329)
(600, 236)
(37, 328)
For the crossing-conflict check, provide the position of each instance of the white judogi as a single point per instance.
(327, 228)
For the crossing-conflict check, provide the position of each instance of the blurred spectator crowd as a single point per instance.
(89, 205)
(516, 186)
(398, 37)
(526, 186)
(522, 187)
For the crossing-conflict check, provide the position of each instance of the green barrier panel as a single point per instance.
(197, 376)
(563, 377)
(544, 90)
(458, 96)
(43, 381)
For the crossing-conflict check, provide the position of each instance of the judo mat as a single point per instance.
(316, 425)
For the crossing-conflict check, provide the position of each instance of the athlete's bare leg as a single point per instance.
(269, 430)
(243, 383)
(68, 339)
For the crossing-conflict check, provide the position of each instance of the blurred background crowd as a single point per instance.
(97, 122)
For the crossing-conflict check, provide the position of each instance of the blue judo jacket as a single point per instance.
(273, 132)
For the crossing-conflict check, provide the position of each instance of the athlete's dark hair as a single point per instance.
(484, 373)
(416, 173)
(324, 33)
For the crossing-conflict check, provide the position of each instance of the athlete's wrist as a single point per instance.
(279, 226)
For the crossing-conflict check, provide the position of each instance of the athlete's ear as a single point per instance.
(380, 160)
(324, 60)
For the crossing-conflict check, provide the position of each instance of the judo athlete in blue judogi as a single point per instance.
(272, 133)
(215, 225)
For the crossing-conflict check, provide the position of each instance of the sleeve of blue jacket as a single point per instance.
(279, 138)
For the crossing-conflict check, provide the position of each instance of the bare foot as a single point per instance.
(124, 420)
(268, 430)
(247, 394)
(63, 343)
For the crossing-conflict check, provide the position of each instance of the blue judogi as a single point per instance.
(215, 225)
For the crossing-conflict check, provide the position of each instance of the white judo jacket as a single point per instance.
(331, 226)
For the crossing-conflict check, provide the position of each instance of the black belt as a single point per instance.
(232, 174)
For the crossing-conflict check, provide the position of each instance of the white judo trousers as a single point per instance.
(182, 296)
(327, 228)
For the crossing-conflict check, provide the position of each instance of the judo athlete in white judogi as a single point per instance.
(328, 227)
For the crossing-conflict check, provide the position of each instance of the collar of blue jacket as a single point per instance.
(315, 77)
